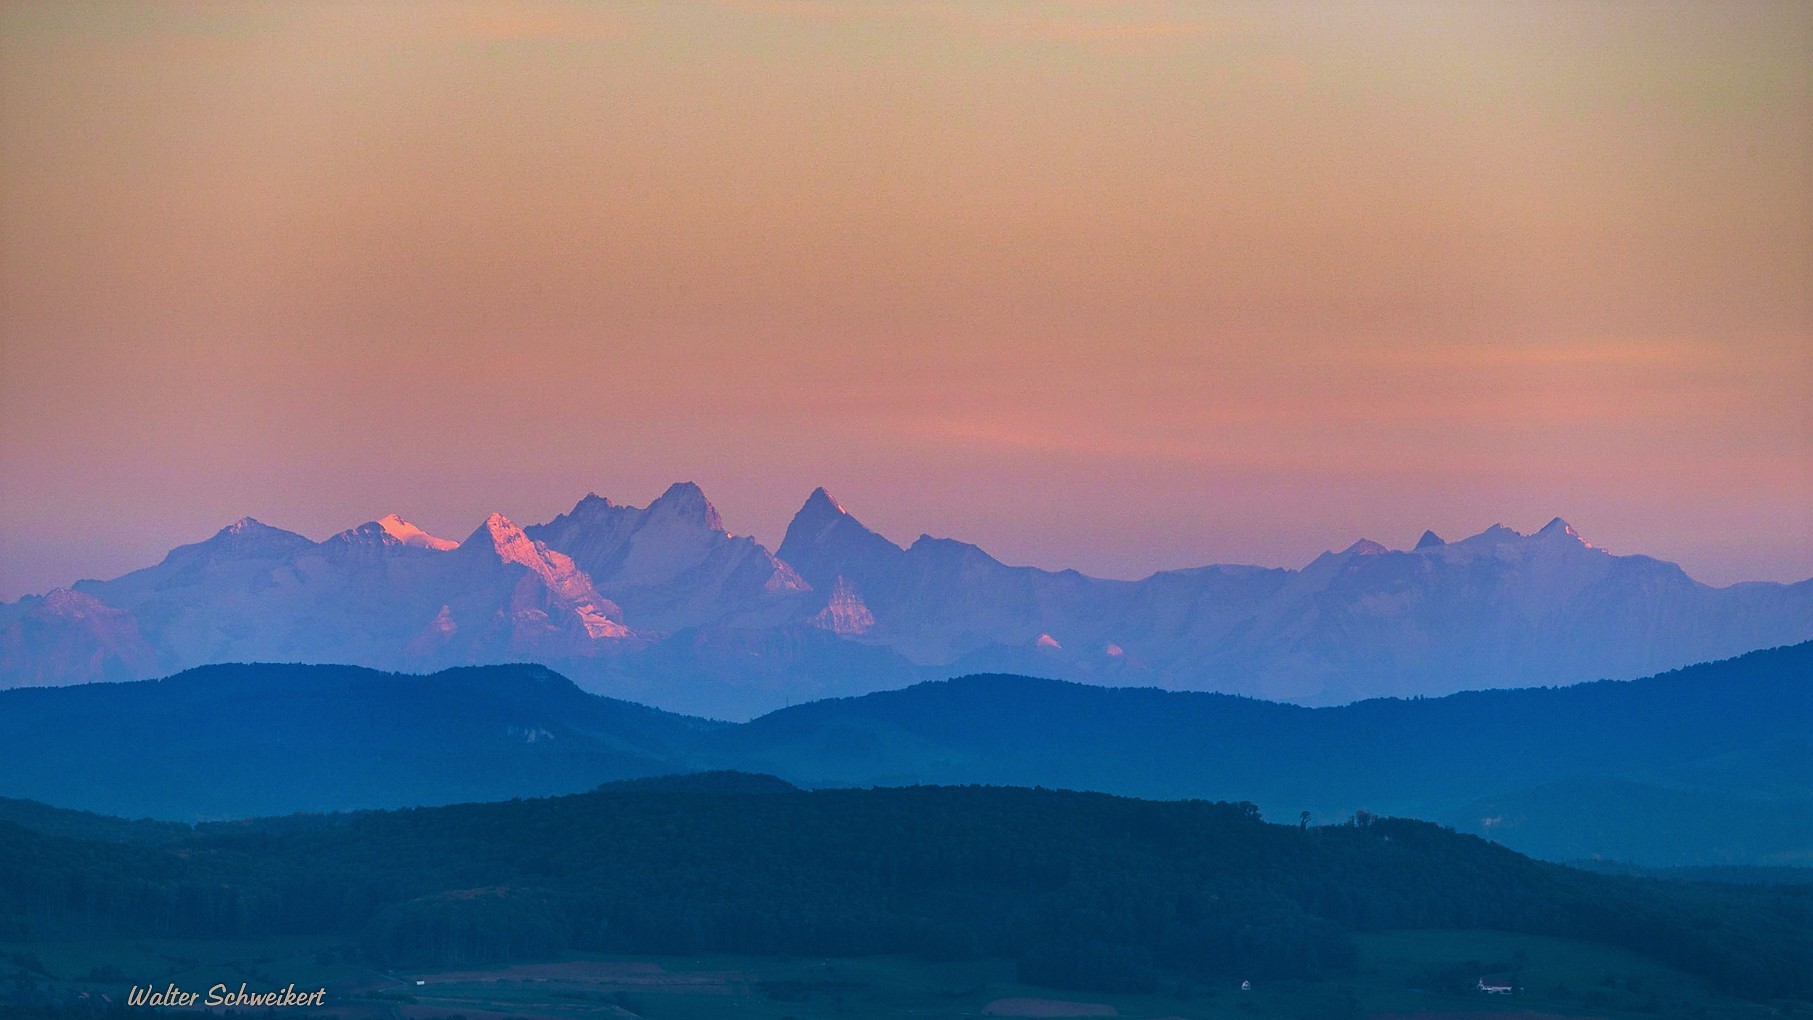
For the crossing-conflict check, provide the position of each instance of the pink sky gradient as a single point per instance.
(1116, 286)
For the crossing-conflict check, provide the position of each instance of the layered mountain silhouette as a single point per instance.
(661, 605)
(1712, 764)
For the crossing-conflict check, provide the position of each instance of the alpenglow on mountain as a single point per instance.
(661, 605)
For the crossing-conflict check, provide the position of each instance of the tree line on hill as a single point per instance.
(1084, 890)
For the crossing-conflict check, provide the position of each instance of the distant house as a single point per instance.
(1493, 987)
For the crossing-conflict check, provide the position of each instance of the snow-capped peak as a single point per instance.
(501, 535)
(408, 534)
(556, 570)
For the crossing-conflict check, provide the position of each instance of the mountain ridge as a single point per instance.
(605, 591)
(1708, 765)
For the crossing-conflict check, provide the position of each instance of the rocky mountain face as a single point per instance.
(662, 605)
(673, 565)
(1499, 609)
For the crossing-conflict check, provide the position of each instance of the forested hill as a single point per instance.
(237, 740)
(1709, 765)
(1086, 890)
(1712, 764)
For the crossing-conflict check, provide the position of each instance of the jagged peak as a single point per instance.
(1496, 533)
(500, 536)
(821, 509)
(593, 501)
(820, 512)
(496, 533)
(1558, 529)
(370, 530)
(821, 499)
(687, 501)
(1430, 540)
(822, 520)
(592, 511)
(1365, 547)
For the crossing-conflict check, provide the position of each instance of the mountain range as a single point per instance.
(663, 606)
(1708, 765)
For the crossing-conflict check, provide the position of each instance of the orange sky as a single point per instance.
(1117, 286)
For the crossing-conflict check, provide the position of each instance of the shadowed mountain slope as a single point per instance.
(1707, 765)
(236, 741)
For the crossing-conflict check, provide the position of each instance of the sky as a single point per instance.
(1114, 286)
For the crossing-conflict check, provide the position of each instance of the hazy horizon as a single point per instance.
(1118, 287)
